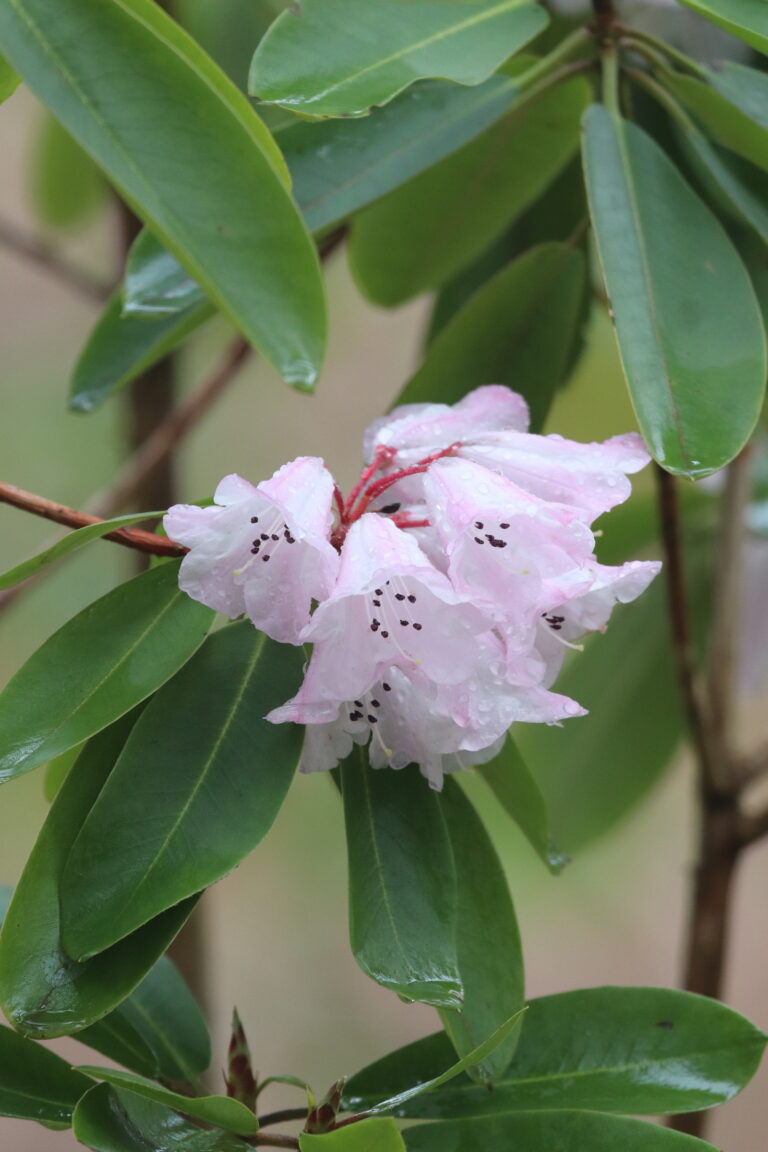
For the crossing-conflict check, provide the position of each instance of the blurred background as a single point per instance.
(276, 928)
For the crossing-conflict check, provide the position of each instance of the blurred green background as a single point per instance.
(277, 944)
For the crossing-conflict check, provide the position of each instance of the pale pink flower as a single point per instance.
(265, 550)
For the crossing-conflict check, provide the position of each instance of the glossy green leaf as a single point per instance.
(379, 1134)
(339, 166)
(69, 543)
(517, 329)
(105, 660)
(216, 196)
(43, 992)
(734, 186)
(113, 1120)
(57, 770)
(66, 187)
(374, 49)
(487, 939)
(155, 284)
(120, 348)
(9, 80)
(747, 19)
(551, 1132)
(516, 789)
(688, 326)
(745, 87)
(225, 774)
(35, 1084)
(594, 769)
(722, 120)
(220, 1111)
(424, 232)
(402, 883)
(641, 1050)
(158, 1031)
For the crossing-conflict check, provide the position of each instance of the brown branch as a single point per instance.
(61, 514)
(282, 1116)
(166, 437)
(42, 254)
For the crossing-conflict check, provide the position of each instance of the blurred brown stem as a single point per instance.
(723, 831)
(42, 254)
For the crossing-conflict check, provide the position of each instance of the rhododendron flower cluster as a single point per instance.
(439, 598)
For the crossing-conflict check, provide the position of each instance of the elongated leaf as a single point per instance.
(736, 187)
(104, 661)
(57, 770)
(402, 883)
(724, 121)
(43, 991)
(380, 1134)
(69, 543)
(220, 1111)
(424, 232)
(747, 19)
(225, 773)
(517, 329)
(688, 326)
(515, 788)
(487, 939)
(642, 1050)
(121, 347)
(113, 1120)
(155, 284)
(339, 166)
(551, 1132)
(158, 1031)
(592, 772)
(374, 49)
(9, 81)
(745, 87)
(35, 1084)
(66, 189)
(217, 195)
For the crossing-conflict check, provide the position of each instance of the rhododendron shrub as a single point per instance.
(532, 596)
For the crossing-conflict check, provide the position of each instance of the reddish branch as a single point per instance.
(134, 538)
(53, 262)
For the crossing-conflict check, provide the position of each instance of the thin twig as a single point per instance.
(30, 248)
(166, 437)
(72, 518)
(726, 616)
(273, 1140)
(282, 1116)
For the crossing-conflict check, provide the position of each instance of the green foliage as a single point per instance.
(487, 960)
(373, 51)
(225, 770)
(424, 232)
(379, 1134)
(35, 1084)
(218, 1111)
(402, 884)
(66, 188)
(640, 1050)
(516, 789)
(519, 328)
(747, 19)
(241, 238)
(9, 81)
(115, 1120)
(687, 322)
(97, 667)
(43, 992)
(155, 283)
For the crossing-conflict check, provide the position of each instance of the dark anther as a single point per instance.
(386, 687)
(254, 519)
(372, 719)
(355, 715)
(494, 541)
(265, 558)
(388, 509)
(478, 540)
(265, 536)
(375, 625)
(417, 627)
(411, 599)
(385, 635)
(358, 703)
(503, 525)
(379, 591)
(275, 536)
(377, 603)
(399, 596)
(375, 704)
(479, 524)
(404, 623)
